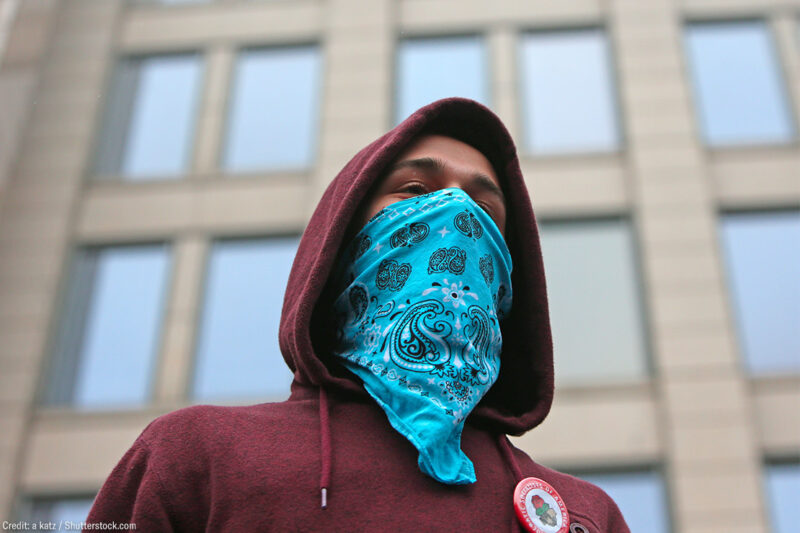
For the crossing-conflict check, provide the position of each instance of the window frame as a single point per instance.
(220, 156)
(649, 367)
(615, 90)
(98, 171)
(25, 506)
(480, 34)
(768, 464)
(733, 304)
(189, 394)
(50, 397)
(780, 74)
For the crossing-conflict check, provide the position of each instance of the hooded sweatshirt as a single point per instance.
(327, 459)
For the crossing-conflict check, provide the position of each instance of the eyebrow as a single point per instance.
(437, 165)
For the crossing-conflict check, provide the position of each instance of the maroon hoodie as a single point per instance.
(264, 467)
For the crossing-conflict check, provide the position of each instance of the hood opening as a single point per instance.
(522, 395)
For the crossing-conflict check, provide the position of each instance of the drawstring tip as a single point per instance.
(324, 498)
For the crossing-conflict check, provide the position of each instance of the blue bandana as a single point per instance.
(424, 285)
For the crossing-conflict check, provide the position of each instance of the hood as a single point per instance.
(523, 393)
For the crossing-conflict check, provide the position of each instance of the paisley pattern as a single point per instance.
(475, 354)
(409, 234)
(457, 392)
(487, 269)
(468, 224)
(451, 259)
(358, 302)
(418, 339)
(499, 298)
(364, 244)
(392, 275)
(418, 319)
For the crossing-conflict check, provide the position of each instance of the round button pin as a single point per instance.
(539, 507)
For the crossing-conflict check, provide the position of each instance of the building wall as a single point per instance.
(699, 417)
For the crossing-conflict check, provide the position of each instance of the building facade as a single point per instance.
(159, 160)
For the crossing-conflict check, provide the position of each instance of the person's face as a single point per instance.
(437, 162)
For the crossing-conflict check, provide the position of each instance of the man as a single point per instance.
(416, 324)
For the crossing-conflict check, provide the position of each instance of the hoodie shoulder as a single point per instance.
(186, 425)
(587, 502)
(161, 483)
(205, 429)
(180, 437)
(165, 466)
(160, 465)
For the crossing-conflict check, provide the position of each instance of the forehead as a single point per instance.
(456, 154)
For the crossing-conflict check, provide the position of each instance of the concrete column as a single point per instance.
(787, 48)
(357, 83)
(211, 116)
(23, 40)
(180, 321)
(504, 72)
(41, 192)
(711, 451)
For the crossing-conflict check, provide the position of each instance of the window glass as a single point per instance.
(762, 255)
(238, 357)
(110, 327)
(639, 495)
(593, 292)
(738, 88)
(274, 109)
(568, 94)
(432, 68)
(782, 488)
(56, 510)
(149, 121)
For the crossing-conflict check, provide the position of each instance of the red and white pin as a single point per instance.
(539, 507)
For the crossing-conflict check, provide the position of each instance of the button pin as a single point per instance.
(539, 507)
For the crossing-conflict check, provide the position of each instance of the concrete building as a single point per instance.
(659, 139)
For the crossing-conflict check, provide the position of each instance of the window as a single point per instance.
(109, 332)
(432, 68)
(595, 310)
(274, 110)
(55, 510)
(568, 94)
(782, 487)
(149, 119)
(639, 495)
(762, 255)
(238, 357)
(738, 88)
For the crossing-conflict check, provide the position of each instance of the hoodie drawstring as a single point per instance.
(511, 461)
(325, 447)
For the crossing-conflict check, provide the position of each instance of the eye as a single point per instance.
(485, 207)
(414, 188)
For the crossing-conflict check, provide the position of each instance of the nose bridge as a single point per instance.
(455, 184)
(452, 176)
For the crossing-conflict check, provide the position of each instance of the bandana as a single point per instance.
(424, 286)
